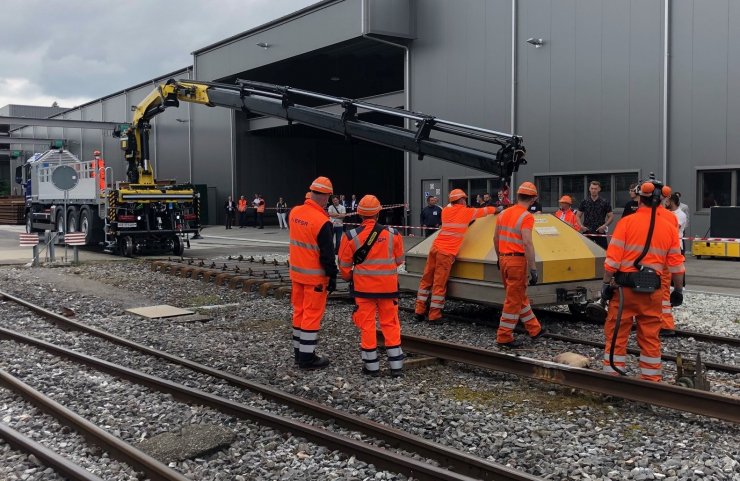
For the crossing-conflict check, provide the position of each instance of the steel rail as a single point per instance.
(121, 449)
(48, 457)
(463, 463)
(659, 394)
(574, 340)
(367, 452)
(699, 336)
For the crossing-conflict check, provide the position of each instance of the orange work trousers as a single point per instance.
(516, 305)
(666, 316)
(434, 283)
(645, 308)
(364, 318)
(309, 303)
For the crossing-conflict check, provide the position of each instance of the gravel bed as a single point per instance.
(134, 413)
(540, 428)
(17, 465)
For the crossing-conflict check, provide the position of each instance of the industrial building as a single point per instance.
(599, 89)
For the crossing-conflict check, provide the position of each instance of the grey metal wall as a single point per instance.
(704, 94)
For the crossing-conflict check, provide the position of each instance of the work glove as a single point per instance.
(607, 292)
(332, 286)
(532, 277)
(676, 297)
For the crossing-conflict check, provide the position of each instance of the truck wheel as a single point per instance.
(59, 229)
(29, 222)
(73, 224)
(127, 246)
(86, 224)
(178, 246)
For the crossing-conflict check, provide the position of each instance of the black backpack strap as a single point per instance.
(361, 254)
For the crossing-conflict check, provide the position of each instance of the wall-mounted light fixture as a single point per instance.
(537, 42)
(262, 44)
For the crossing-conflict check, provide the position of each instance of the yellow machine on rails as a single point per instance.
(571, 266)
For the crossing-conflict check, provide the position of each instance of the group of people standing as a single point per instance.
(368, 258)
(644, 242)
(258, 204)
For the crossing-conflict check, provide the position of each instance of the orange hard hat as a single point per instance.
(96, 153)
(322, 185)
(527, 188)
(457, 194)
(368, 206)
(566, 199)
(308, 195)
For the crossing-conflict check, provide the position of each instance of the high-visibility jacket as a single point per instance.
(628, 242)
(261, 207)
(509, 226)
(311, 245)
(569, 217)
(455, 221)
(242, 207)
(376, 277)
(100, 168)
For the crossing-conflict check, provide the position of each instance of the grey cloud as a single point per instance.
(90, 48)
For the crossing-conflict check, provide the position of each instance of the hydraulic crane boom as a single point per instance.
(279, 101)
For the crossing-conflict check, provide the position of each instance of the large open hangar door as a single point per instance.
(282, 161)
(275, 159)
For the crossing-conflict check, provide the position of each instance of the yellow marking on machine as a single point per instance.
(565, 255)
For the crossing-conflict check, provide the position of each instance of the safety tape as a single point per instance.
(399, 226)
(383, 207)
(699, 239)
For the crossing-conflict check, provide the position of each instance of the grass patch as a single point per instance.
(523, 396)
(198, 301)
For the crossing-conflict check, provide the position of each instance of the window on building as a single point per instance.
(548, 190)
(614, 188)
(716, 188)
(622, 184)
(575, 187)
(474, 187)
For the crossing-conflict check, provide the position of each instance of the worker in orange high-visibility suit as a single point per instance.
(566, 214)
(667, 322)
(455, 221)
(242, 208)
(515, 251)
(98, 169)
(626, 247)
(313, 272)
(374, 284)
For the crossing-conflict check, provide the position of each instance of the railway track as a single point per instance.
(575, 340)
(462, 466)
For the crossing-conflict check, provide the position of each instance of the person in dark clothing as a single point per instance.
(230, 208)
(591, 214)
(631, 206)
(535, 208)
(431, 216)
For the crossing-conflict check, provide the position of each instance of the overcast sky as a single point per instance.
(74, 51)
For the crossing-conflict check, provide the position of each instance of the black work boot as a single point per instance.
(511, 344)
(418, 317)
(318, 362)
(368, 372)
(538, 336)
(397, 373)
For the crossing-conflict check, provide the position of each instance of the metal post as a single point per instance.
(66, 195)
(35, 261)
(76, 259)
(50, 245)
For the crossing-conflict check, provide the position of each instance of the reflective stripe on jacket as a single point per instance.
(376, 277)
(509, 226)
(261, 207)
(306, 222)
(455, 222)
(629, 239)
(569, 217)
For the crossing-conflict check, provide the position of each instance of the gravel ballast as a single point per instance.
(536, 427)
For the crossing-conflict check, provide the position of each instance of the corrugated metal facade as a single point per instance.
(588, 101)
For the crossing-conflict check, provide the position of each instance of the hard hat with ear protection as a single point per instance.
(653, 189)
